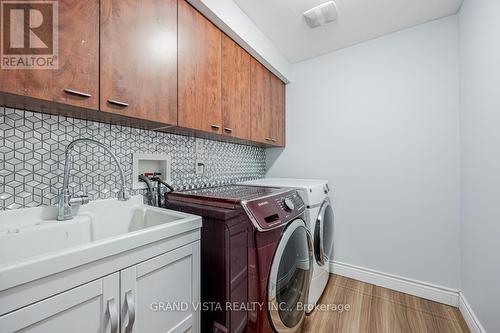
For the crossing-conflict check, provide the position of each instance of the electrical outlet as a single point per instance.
(200, 146)
(200, 167)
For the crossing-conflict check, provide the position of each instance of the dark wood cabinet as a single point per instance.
(277, 125)
(199, 71)
(139, 59)
(236, 70)
(75, 81)
(267, 106)
(260, 103)
(156, 64)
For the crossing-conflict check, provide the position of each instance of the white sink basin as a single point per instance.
(18, 243)
(34, 243)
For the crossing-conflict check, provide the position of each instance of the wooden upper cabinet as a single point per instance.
(277, 130)
(267, 106)
(155, 60)
(139, 59)
(260, 103)
(75, 81)
(235, 89)
(199, 71)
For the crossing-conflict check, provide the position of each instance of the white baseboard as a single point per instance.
(469, 316)
(408, 286)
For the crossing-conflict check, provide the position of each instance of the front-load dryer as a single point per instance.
(320, 222)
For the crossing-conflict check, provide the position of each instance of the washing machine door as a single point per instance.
(289, 278)
(323, 234)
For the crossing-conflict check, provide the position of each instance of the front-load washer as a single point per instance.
(256, 251)
(320, 222)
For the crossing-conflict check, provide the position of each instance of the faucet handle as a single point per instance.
(65, 202)
(123, 195)
(79, 200)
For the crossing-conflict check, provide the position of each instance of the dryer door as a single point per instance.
(323, 234)
(290, 277)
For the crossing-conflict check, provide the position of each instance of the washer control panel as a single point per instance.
(273, 211)
(288, 204)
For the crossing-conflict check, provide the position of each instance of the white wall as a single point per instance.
(235, 23)
(480, 157)
(380, 121)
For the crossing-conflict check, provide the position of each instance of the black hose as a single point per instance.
(149, 185)
(157, 179)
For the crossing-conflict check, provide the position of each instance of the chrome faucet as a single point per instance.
(66, 199)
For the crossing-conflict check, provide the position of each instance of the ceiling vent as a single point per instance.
(321, 15)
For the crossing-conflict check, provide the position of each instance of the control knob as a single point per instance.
(288, 203)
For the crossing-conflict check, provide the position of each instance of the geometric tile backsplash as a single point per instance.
(32, 158)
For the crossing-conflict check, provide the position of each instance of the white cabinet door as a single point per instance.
(160, 295)
(90, 308)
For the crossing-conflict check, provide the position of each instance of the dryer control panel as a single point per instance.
(275, 210)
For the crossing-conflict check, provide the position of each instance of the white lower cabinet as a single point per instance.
(156, 295)
(160, 295)
(85, 309)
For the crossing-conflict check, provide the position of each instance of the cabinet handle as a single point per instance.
(274, 140)
(227, 129)
(113, 315)
(216, 127)
(129, 303)
(77, 93)
(268, 139)
(115, 102)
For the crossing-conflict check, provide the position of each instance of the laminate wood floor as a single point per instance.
(379, 310)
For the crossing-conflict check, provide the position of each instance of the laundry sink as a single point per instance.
(34, 244)
(113, 218)
(21, 242)
(150, 217)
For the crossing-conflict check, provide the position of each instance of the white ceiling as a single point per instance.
(359, 20)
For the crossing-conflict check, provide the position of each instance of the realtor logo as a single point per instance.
(29, 33)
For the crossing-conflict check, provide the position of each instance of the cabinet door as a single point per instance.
(90, 308)
(261, 109)
(199, 71)
(277, 126)
(235, 89)
(139, 59)
(159, 295)
(76, 79)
